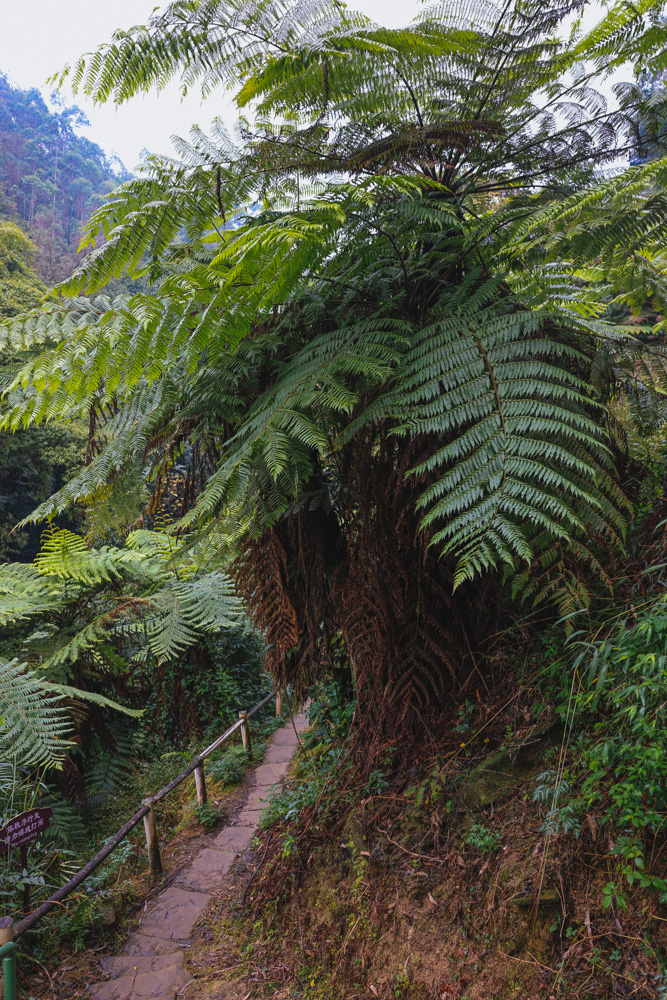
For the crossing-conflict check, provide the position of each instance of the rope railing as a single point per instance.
(9, 931)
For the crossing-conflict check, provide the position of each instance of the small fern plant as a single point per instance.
(100, 608)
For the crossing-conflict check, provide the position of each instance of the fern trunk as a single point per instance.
(351, 566)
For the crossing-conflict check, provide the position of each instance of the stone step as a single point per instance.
(269, 774)
(135, 965)
(175, 914)
(283, 737)
(232, 838)
(258, 798)
(249, 818)
(207, 869)
(141, 945)
(161, 985)
(278, 755)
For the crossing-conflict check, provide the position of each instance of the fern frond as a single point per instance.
(23, 593)
(33, 723)
(180, 612)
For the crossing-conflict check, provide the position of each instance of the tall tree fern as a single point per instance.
(376, 317)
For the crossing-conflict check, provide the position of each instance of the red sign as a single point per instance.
(23, 828)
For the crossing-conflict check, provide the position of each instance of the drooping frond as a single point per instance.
(180, 612)
(33, 722)
(521, 449)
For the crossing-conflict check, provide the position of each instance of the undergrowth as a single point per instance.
(519, 853)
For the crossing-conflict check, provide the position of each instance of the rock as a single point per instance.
(498, 774)
(104, 915)
(548, 897)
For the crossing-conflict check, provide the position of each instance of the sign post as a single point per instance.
(20, 832)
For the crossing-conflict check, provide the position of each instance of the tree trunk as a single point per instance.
(352, 565)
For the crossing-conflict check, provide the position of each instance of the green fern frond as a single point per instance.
(33, 723)
(23, 593)
(180, 612)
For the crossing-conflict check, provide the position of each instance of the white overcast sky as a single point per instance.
(37, 37)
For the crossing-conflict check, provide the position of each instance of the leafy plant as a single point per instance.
(207, 815)
(617, 772)
(482, 839)
(623, 677)
(330, 712)
(564, 809)
(231, 767)
(204, 690)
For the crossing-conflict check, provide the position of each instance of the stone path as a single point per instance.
(152, 965)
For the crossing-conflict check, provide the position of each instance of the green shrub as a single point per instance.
(618, 691)
(622, 687)
(205, 689)
(207, 815)
(230, 768)
(482, 839)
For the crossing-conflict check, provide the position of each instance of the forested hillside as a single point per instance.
(51, 177)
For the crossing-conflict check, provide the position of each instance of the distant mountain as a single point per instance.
(51, 179)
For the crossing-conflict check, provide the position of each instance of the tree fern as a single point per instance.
(374, 320)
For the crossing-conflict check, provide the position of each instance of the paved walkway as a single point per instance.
(152, 965)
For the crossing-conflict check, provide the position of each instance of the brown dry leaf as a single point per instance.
(366, 854)
(592, 825)
(432, 900)
(374, 991)
(460, 861)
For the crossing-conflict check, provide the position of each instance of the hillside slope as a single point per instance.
(51, 178)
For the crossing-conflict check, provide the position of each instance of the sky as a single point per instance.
(39, 36)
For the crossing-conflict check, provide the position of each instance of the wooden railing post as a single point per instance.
(6, 930)
(152, 844)
(279, 703)
(200, 781)
(245, 733)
